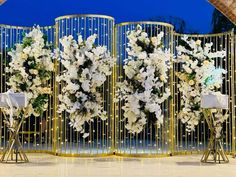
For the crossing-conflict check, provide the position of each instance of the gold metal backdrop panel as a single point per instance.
(9, 36)
(35, 133)
(52, 133)
(197, 140)
(45, 122)
(152, 140)
(100, 141)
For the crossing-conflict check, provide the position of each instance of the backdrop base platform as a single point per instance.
(42, 165)
(73, 149)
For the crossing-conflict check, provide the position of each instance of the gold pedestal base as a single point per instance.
(14, 152)
(215, 151)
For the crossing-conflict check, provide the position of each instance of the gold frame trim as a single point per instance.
(173, 150)
(145, 23)
(204, 35)
(84, 15)
(15, 27)
(24, 27)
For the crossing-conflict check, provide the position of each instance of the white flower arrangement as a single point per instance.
(86, 69)
(198, 76)
(146, 72)
(30, 68)
(218, 121)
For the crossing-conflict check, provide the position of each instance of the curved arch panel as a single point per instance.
(35, 133)
(52, 133)
(9, 36)
(100, 140)
(152, 140)
(196, 141)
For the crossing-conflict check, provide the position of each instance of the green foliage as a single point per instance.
(45, 38)
(32, 64)
(195, 107)
(185, 44)
(43, 73)
(208, 79)
(39, 103)
(87, 64)
(72, 97)
(23, 86)
(148, 48)
(27, 41)
(192, 76)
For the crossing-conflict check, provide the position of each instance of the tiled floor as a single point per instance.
(44, 165)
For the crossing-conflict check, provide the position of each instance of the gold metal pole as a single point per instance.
(172, 121)
(114, 47)
(232, 58)
(55, 99)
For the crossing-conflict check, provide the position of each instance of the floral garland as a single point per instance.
(30, 69)
(198, 76)
(86, 69)
(143, 89)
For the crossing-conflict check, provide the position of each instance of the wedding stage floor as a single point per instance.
(45, 165)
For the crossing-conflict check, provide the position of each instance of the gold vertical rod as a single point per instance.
(55, 94)
(113, 123)
(232, 58)
(77, 133)
(1, 79)
(171, 128)
(5, 75)
(70, 139)
(103, 122)
(118, 123)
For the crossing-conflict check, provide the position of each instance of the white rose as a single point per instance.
(206, 62)
(191, 82)
(154, 41)
(198, 42)
(162, 78)
(86, 85)
(87, 105)
(24, 56)
(142, 55)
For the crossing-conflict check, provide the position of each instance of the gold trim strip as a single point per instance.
(15, 27)
(204, 35)
(84, 15)
(24, 27)
(145, 23)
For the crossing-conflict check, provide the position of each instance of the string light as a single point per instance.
(160, 135)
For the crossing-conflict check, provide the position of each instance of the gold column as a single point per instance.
(233, 72)
(114, 134)
(55, 99)
(172, 103)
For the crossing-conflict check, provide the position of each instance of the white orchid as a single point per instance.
(146, 74)
(30, 68)
(199, 75)
(86, 68)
